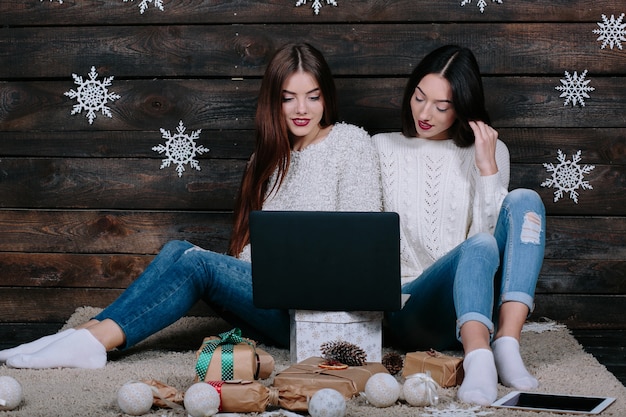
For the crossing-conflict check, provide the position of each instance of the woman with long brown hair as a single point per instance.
(304, 160)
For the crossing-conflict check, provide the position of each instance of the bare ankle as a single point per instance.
(109, 333)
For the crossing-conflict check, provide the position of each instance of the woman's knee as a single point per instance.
(528, 200)
(176, 247)
(484, 244)
(527, 203)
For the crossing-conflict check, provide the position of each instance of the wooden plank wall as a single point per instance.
(84, 207)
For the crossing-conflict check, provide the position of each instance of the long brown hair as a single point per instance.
(273, 142)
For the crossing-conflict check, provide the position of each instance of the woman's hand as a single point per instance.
(485, 147)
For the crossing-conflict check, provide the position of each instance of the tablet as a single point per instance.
(556, 403)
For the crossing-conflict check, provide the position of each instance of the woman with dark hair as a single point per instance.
(303, 160)
(471, 251)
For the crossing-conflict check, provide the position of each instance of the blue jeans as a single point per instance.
(464, 284)
(179, 276)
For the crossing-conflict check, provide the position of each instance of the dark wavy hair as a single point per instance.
(459, 67)
(273, 139)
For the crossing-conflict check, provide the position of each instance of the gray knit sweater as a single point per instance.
(340, 173)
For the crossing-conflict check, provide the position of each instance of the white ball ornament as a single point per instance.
(420, 390)
(202, 400)
(135, 398)
(11, 393)
(327, 402)
(382, 390)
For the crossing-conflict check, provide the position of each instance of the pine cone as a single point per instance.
(393, 362)
(344, 352)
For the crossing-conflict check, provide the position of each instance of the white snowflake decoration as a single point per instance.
(574, 88)
(454, 411)
(481, 4)
(180, 148)
(92, 95)
(316, 5)
(567, 176)
(143, 5)
(612, 32)
(540, 327)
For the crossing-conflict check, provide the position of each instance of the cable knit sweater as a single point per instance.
(439, 194)
(340, 173)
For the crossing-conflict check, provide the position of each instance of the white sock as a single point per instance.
(510, 365)
(80, 349)
(480, 383)
(34, 346)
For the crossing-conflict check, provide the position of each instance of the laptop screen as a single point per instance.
(322, 260)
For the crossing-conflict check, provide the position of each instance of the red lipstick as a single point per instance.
(424, 125)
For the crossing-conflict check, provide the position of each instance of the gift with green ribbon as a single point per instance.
(227, 357)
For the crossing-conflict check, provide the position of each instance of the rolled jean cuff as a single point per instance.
(520, 297)
(481, 318)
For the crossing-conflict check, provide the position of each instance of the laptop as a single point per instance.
(327, 261)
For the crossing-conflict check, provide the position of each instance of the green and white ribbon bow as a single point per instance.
(227, 341)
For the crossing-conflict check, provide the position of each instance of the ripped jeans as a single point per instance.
(179, 276)
(465, 283)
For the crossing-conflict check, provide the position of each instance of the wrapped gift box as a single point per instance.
(309, 329)
(446, 370)
(247, 361)
(235, 396)
(306, 378)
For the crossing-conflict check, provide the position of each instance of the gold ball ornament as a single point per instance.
(202, 400)
(11, 393)
(135, 398)
(327, 402)
(382, 390)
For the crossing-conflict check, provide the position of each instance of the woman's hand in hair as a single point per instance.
(486, 139)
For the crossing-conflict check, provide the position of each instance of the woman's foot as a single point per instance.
(34, 346)
(510, 365)
(80, 349)
(480, 383)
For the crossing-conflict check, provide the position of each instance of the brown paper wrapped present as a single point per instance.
(253, 397)
(446, 370)
(306, 377)
(232, 357)
(164, 395)
(265, 364)
(235, 396)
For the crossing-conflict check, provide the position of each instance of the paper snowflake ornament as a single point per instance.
(481, 4)
(454, 411)
(180, 149)
(612, 31)
(574, 88)
(92, 95)
(316, 4)
(567, 176)
(143, 5)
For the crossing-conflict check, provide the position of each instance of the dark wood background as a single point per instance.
(84, 208)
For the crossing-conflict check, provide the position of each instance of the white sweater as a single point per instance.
(439, 194)
(340, 173)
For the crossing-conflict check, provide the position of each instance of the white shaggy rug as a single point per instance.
(550, 351)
